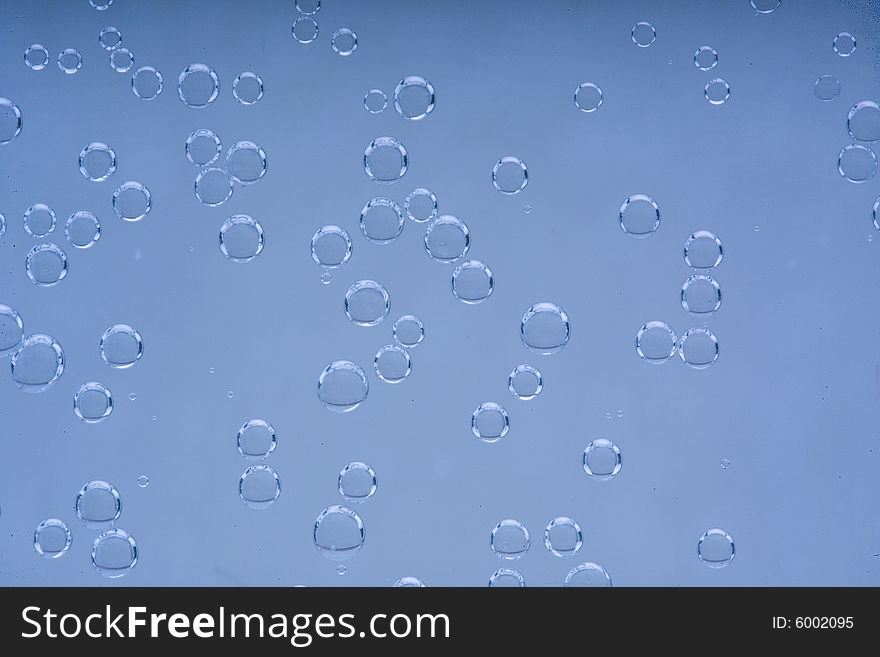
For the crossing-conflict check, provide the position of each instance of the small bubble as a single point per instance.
(414, 98)
(620, 413)
(602, 460)
(510, 539)
(525, 382)
(69, 61)
(304, 29)
(716, 548)
(421, 205)
(256, 440)
(510, 175)
(342, 386)
(698, 348)
(36, 56)
(367, 303)
(143, 481)
(338, 533)
(447, 239)
(608, 415)
(241, 238)
(765, 6)
(341, 569)
(92, 402)
(472, 282)
(408, 331)
(213, 187)
(202, 147)
(52, 538)
(46, 265)
(717, 91)
(308, 7)
(844, 44)
(132, 201)
(246, 162)
(757, 228)
(392, 364)
(259, 486)
(588, 574)
(700, 295)
(725, 464)
(545, 328)
(121, 60)
(230, 394)
(527, 209)
(563, 537)
(110, 38)
(705, 58)
(97, 161)
(198, 85)
(10, 121)
(132, 396)
(639, 215)
(863, 121)
(409, 583)
(357, 482)
(703, 250)
(146, 82)
(857, 163)
(11, 330)
(247, 88)
(101, 5)
(211, 370)
(506, 577)
(37, 363)
(385, 160)
(39, 220)
(121, 346)
(114, 553)
(826, 87)
(643, 34)
(381, 220)
(490, 422)
(875, 214)
(344, 42)
(656, 342)
(326, 277)
(331, 246)
(98, 504)
(588, 97)
(375, 101)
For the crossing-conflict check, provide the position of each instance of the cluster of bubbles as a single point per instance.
(259, 486)
(344, 41)
(414, 98)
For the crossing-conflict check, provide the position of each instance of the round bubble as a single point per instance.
(563, 537)
(409, 583)
(525, 382)
(863, 121)
(98, 504)
(92, 402)
(241, 238)
(472, 282)
(656, 342)
(110, 38)
(700, 295)
(447, 239)
(357, 482)
(588, 97)
(717, 91)
(202, 147)
(421, 205)
(510, 539)
(545, 328)
(588, 574)
(121, 346)
(97, 161)
(381, 220)
(114, 553)
(392, 364)
(37, 363)
(52, 538)
(643, 34)
(375, 101)
(101, 5)
(342, 386)
(146, 82)
(338, 533)
(304, 29)
(344, 42)
(510, 175)
(11, 330)
(246, 162)
(385, 160)
(506, 578)
(367, 303)
(2, 224)
(857, 163)
(308, 7)
(715, 548)
(256, 440)
(36, 56)
(490, 422)
(705, 58)
(213, 187)
(875, 215)
(826, 87)
(259, 486)
(121, 60)
(39, 220)
(10, 121)
(198, 86)
(408, 331)
(844, 44)
(69, 61)
(247, 88)
(46, 265)
(331, 246)
(143, 481)
(703, 250)
(698, 348)
(132, 201)
(602, 459)
(765, 6)
(639, 215)
(414, 98)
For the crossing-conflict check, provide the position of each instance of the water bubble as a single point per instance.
(381, 220)
(563, 537)
(39, 220)
(527, 209)
(259, 486)
(143, 481)
(198, 86)
(241, 238)
(110, 38)
(765, 6)
(2, 224)
(357, 482)
(588, 97)
(46, 265)
(447, 239)
(344, 41)
(338, 533)
(37, 363)
(367, 303)
(716, 548)
(525, 382)
(725, 463)
(132, 396)
(392, 364)
(326, 277)
(700, 295)
(385, 160)
(505, 578)
(421, 205)
(409, 583)
(705, 58)
(121, 346)
(643, 34)
(698, 348)
(414, 98)
(247, 88)
(703, 250)
(375, 101)
(717, 91)
(132, 201)
(341, 569)
(246, 162)
(213, 187)
(620, 413)
(639, 215)
(202, 147)
(472, 282)
(857, 163)
(230, 394)
(510, 175)
(490, 422)
(304, 29)
(588, 574)
(844, 44)
(101, 5)
(875, 214)
(92, 402)
(863, 121)
(69, 60)
(11, 330)
(408, 331)
(52, 538)
(826, 87)
(36, 56)
(256, 440)
(545, 328)
(510, 539)
(308, 7)
(331, 246)
(97, 161)
(98, 504)
(342, 386)
(122, 60)
(602, 459)
(146, 82)
(656, 342)
(10, 121)
(114, 553)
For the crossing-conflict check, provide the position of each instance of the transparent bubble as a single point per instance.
(97, 161)
(367, 303)
(506, 577)
(588, 97)
(510, 539)
(385, 160)
(525, 382)
(357, 482)
(198, 86)
(213, 187)
(92, 402)
(246, 162)
(602, 459)
(857, 163)
(875, 214)
(700, 295)
(259, 486)
(716, 548)
(408, 331)
(98, 504)
(588, 574)
(563, 537)
(69, 60)
(344, 41)
(308, 7)
(143, 481)
(121, 346)
(341, 569)
(52, 538)
(331, 246)
(10, 121)
(510, 175)
(765, 6)
(101, 5)
(643, 34)
(241, 238)
(36, 56)
(703, 250)
(304, 29)
(863, 121)
(717, 91)
(826, 87)
(705, 58)
(639, 215)
(256, 440)
(472, 282)
(114, 553)
(11, 330)
(146, 82)
(656, 342)
(414, 98)
(490, 422)
(247, 88)
(46, 265)
(110, 38)
(409, 583)
(725, 463)
(844, 44)
(381, 220)
(392, 364)
(447, 239)
(202, 147)
(132, 396)
(39, 220)
(121, 60)
(375, 101)
(421, 205)
(132, 201)
(326, 277)
(342, 386)
(338, 533)
(698, 348)
(545, 328)
(37, 363)
(2, 224)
